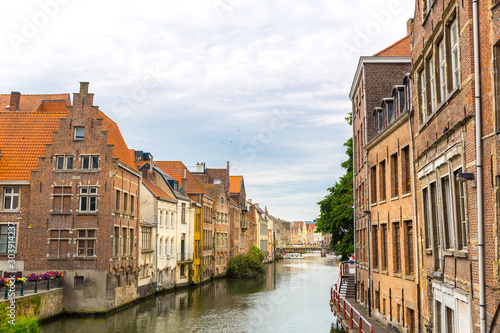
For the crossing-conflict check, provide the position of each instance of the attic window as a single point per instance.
(79, 133)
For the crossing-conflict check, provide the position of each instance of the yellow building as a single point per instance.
(198, 249)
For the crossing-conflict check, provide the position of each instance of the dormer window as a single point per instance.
(388, 108)
(79, 133)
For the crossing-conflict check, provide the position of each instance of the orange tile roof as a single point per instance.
(235, 184)
(120, 149)
(31, 103)
(399, 49)
(156, 191)
(23, 136)
(176, 170)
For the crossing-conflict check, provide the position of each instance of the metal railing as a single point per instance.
(341, 303)
(29, 287)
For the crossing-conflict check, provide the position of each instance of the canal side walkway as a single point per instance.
(377, 328)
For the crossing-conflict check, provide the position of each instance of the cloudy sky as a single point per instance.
(260, 83)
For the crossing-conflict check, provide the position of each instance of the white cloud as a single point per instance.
(189, 81)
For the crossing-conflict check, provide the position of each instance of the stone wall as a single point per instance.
(42, 305)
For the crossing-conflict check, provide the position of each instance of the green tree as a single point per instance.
(336, 209)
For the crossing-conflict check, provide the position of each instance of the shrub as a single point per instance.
(245, 266)
(257, 252)
(22, 324)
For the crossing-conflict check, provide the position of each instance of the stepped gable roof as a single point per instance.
(32, 103)
(23, 139)
(399, 49)
(24, 134)
(157, 192)
(176, 170)
(235, 184)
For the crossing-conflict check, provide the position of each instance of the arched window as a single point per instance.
(172, 249)
(160, 247)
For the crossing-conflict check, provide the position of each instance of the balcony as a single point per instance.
(185, 257)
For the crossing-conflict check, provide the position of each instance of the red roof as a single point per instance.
(24, 134)
(32, 103)
(23, 139)
(155, 190)
(399, 49)
(235, 184)
(177, 170)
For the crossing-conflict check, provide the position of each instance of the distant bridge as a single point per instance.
(304, 248)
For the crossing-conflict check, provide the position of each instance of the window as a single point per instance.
(432, 83)
(409, 248)
(132, 204)
(375, 246)
(436, 233)
(427, 217)
(78, 282)
(496, 74)
(406, 170)
(460, 212)
(90, 162)
(86, 242)
(442, 71)
(64, 162)
(390, 112)
(79, 133)
(450, 323)
(183, 215)
(117, 203)
(124, 241)
(88, 199)
(131, 242)
(116, 243)
(7, 236)
(449, 239)
(61, 199)
(125, 203)
(397, 248)
(146, 237)
(382, 181)
(423, 97)
(384, 249)
(11, 198)
(380, 119)
(373, 179)
(394, 176)
(218, 217)
(455, 63)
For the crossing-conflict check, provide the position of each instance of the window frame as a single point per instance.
(86, 239)
(8, 235)
(62, 195)
(461, 221)
(65, 161)
(14, 195)
(91, 162)
(455, 53)
(89, 196)
(76, 135)
(443, 92)
(423, 95)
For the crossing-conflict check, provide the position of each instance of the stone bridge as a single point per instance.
(304, 248)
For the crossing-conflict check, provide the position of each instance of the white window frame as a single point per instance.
(64, 159)
(442, 70)
(12, 192)
(449, 298)
(88, 194)
(6, 239)
(455, 54)
(91, 160)
(78, 134)
(432, 83)
(423, 96)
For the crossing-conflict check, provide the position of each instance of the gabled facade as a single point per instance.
(74, 223)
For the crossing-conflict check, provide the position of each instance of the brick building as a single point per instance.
(75, 223)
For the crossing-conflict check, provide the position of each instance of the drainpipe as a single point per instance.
(367, 202)
(415, 216)
(479, 167)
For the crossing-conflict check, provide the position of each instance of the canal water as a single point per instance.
(292, 296)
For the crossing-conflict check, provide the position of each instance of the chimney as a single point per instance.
(200, 167)
(84, 88)
(184, 183)
(409, 26)
(250, 201)
(15, 97)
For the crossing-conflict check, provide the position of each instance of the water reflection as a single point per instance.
(292, 296)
